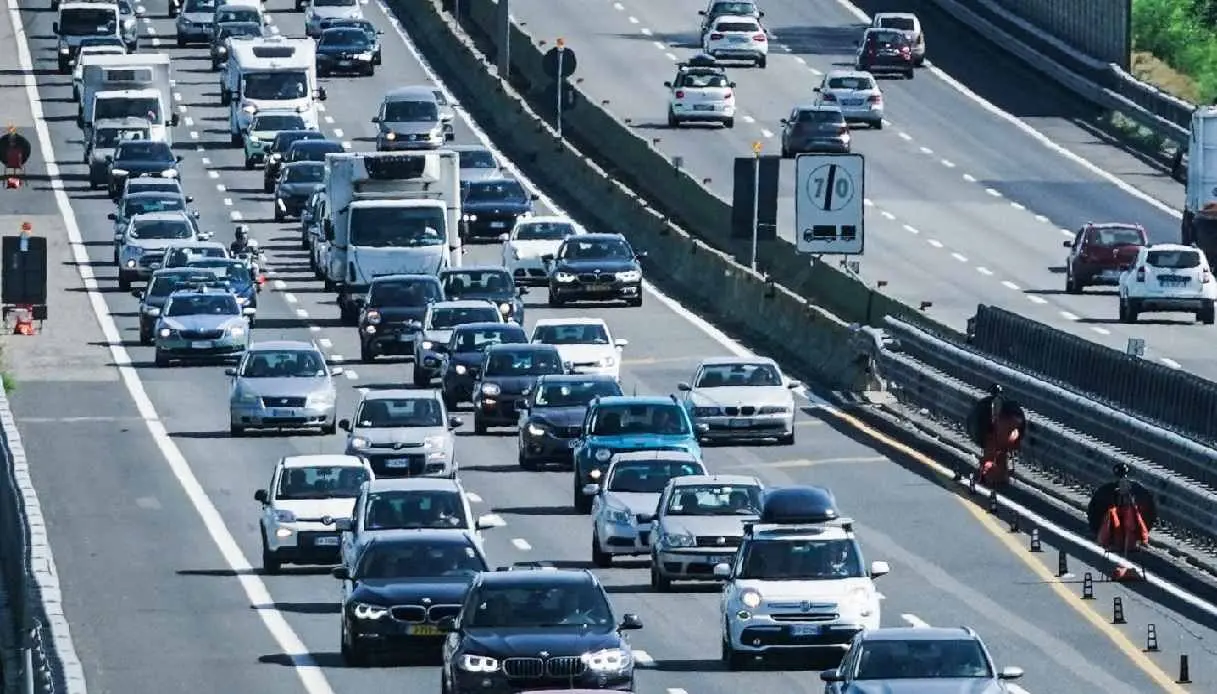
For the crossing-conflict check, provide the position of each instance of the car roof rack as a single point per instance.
(528, 566)
(758, 528)
(700, 60)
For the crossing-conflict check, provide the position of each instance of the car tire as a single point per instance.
(786, 439)
(786, 153)
(909, 75)
(673, 121)
(161, 360)
(279, 216)
(600, 558)
(250, 164)
(1072, 285)
(729, 123)
(659, 582)
(526, 463)
(1208, 314)
(352, 655)
(635, 302)
(348, 315)
(762, 61)
(145, 338)
(582, 502)
(215, 66)
(366, 354)
(329, 429)
(479, 427)
(450, 402)
(732, 659)
(124, 281)
(556, 301)
(270, 563)
(225, 97)
(877, 125)
(236, 141)
(181, 42)
(236, 431)
(1128, 313)
(268, 186)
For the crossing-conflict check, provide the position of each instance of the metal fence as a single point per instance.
(1098, 28)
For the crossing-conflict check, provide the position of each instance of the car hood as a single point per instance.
(342, 48)
(535, 249)
(926, 686)
(465, 358)
(725, 526)
(834, 591)
(410, 127)
(150, 244)
(400, 314)
(633, 502)
(403, 435)
(201, 322)
(556, 641)
(263, 135)
(371, 262)
(604, 265)
(849, 93)
(511, 385)
(401, 591)
(197, 17)
(496, 206)
(316, 509)
(143, 165)
(560, 416)
(286, 387)
(738, 395)
(336, 12)
(480, 174)
(496, 297)
(586, 354)
(298, 189)
(645, 441)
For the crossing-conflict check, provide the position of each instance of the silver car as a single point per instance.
(318, 10)
(194, 23)
(478, 163)
(284, 384)
(403, 433)
(919, 660)
(441, 319)
(143, 203)
(410, 118)
(699, 524)
(856, 93)
(141, 247)
(741, 398)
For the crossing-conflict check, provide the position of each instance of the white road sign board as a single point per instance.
(828, 209)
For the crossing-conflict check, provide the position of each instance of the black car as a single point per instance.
(507, 374)
(490, 283)
(553, 416)
(815, 128)
(492, 206)
(296, 184)
(368, 28)
(313, 149)
(344, 50)
(463, 356)
(404, 585)
(595, 267)
(886, 51)
(278, 148)
(219, 50)
(136, 158)
(152, 298)
(393, 312)
(537, 630)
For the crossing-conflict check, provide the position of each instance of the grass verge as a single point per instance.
(1178, 47)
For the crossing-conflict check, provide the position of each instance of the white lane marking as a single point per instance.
(676, 690)
(346, 145)
(235, 215)
(152, 30)
(1018, 205)
(926, 150)
(1037, 299)
(1069, 316)
(1009, 285)
(1171, 363)
(905, 136)
(645, 31)
(1015, 689)
(213, 175)
(288, 642)
(338, 358)
(494, 520)
(984, 271)
(314, 328)
(748, 119)
(660, 45)
(934, 242)
(886, 214)
(325, 343)
(156, 43)
(474, 497)
(351, 375)
(1100, 330)
(321, 107)
(960, 257)
(227, 202)
(289, 298)
(994, 192)
(329, 120)
(205, 161)
(177, 96)
(194, 134)
(911, 229)
(799, 60)
(868, 202)
(1041, 218)
(1066, 232)
(338, 132)
(619, 7)
(643, 658)
(766, 133)
(948, 163)
(521, 544)
(301, 313)
(632, 20)
(969, 178)
(188, 122)
(816, 72)
(915, 621)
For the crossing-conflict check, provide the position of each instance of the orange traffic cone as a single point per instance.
(25, 324)
(12, 183)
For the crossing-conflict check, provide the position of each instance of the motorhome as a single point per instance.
(271, 73)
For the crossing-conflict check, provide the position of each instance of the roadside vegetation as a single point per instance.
(1175, 46)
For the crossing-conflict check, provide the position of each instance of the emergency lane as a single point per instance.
(191, 403)
(966, 207)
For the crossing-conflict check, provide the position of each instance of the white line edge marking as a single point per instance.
(521, 544)
(306, 667)
(643, 658)
(915, 621)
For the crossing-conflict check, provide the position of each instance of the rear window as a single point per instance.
(821, 117)
(704, 80)
(1173, 260)
(737, 26)
(1119, 236)
(887, 39)
(856, 83)
(901, 23)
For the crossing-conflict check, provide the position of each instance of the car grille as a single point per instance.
(588, 278)
(148, 259)
(394, 446)
(713, 541)
(536, 668)
(568, 432)
(283, 402)
(413, 465)
(417, 613)
(806, 617)
(735, 411)
(202, 334)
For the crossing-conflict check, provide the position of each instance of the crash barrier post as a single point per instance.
(1071, 436)
(1087, 586)
(1117, 610)
(1174, 399)
(1151, 638)
(1036, 545)
(1185, 674)
(1062, 563)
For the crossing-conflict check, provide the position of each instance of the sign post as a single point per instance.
(756, 198)
(828, 205)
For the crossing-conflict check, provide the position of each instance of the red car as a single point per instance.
(1100, 252)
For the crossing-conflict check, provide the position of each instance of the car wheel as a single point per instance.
(249, 164)
(352, 655)
(729, 123)
(479, 427)
(348, 315)
(659, 582)
(366, 354)
(877, 125)
(1127, 313)
(270, 563)
(762, 61)
(329, 429)
(525, 462)
(124, 281)
(786, 439)
(673, 121)
(600, 558)
(1071, 284)
(635, 302)
(214, 66)
(1207, 314)
(235, 139)
(422, 378)
(225, 98)
(732, 659)
(236, 431)
(145, 338)
(279, 214)
(161, 359)
(555, 301)
(583, 503)
(909, 75)
(268, 186)
(181, 42)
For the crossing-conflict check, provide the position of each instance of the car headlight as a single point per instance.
(858, 601)
(165, 332)
(504, 309)
(324, 398)
(284, 516)
(608, 660)
(129, 23)
(620, 517)
(152, 311)
(390, 136)
(119, 172)
(629, 276)
(608, 361)
(364, 56)
(750, 598)
(427, 344)
(603, 455)
(535, 429)
(237, 331)
(169, 173)
(222, 50)
(461, 370)
(359, 442)
(245, 397)
(373, 317)
(491, 389)
(433, 442)
(478, 663)
(564, 277)
(362, 610)
(470, 218)
(64, 50)
(773, 409)
(595, 474)
(679, 540)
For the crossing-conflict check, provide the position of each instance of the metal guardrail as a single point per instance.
(1068, 435)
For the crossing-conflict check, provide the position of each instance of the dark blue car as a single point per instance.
(492, 206)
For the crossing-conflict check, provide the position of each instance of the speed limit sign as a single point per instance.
(828, 207)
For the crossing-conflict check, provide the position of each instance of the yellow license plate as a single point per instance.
(423, 630)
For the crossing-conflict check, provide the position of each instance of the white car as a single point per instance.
(318, 10)
(737, 38)
(908, 24)
(530, 240)
(741, 398)
(1168, 278)
(303, 490)
(625, 502)
(79, 71)
(856, 93)
(586, 345)
(701, 93)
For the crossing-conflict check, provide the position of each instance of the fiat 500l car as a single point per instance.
(282, 384)
(403, 433)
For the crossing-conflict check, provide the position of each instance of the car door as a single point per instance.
(349, 536)
(1075, 249)
(272, 492)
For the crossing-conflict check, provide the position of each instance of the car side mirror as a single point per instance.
(879, 568)
(630, 621)
(534, 197)
(113, 218)
(141, 11)
(177, 158)
(337, 371)
(488, 521)
(668, 85)
(640, 255)
(204, 235)
(521, 290)
(591, 489)
(344, 424)
(137, 293)
(833, 675)
(341, 573)
(189, 198)
(503, 238)
(817, 89)
(731, 84)
(1010, 673)
(701, 13)
(375, 119)
(547, 258)
(702, 428)
(794, 384)
(621, 344)
(455, 422)
(1067, 244)
(761, 13)
(722, 571)
(447, 624)
(684, 387)
(230, 371)
(783, 121)
(173, 121)
(857, 43)
(261, 497)
(109, 158)
(321, 94)
(194, 213)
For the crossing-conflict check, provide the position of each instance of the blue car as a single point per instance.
(623, 424)
(239, 279)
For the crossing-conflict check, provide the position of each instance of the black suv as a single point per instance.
(538, 629)
(393, 312)
(492, 283)
(595, 267)
(506, 375)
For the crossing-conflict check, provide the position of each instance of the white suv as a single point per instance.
(1168, 278)
(701, 93)
(737, 38)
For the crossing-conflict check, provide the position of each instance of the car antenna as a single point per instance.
(635, 388)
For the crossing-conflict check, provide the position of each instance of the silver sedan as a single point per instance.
(741, 398)
(856, 93)
(282, 385)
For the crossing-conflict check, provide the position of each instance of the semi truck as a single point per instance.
(1199, 225)
(388, 213)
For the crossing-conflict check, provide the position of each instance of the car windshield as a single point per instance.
(719, 375)
(477, 159)
(599, 249)
(333, 3)
(524, 362)
(649, 477)
(735, 9)
(495, 191)
(461, 283)
(533, 605)
(146, 107)
(413, 509)
(572, 334)
(801, 560)
(444, 318)
(287, 363)
(107, 138)
(715, 500)
(276, 122)
(1117, 236)
(304, 173)
(726, 27)
(851, 83)
(419, 559)
(703, 80)
(618, 420)
(240, 29)
(88, 21)
(153, 185)
(345, 37)
(886, 39)
(891, 659)
(232, 270)
(164, 285)
(392, 413)
(411, 112)
(200, 5)
(1173, 260)
(404, 293)
(276, 86)
(145, 150)
(160, 229)
(203, 305)
(823, 117)
(313, 151)
(284, 140)
(574, 393)
(321, 482)
(237, 14)
(177, 257)
(469, 341)
(145, 205)
(102, 45)
(899, 23)
(544, 231)
(397, 227)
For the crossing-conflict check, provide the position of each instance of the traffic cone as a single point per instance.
(25, 323)
(12, 183)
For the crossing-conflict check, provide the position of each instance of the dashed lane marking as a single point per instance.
(984, 271)
(1069, 316)
(914, 621)
(1036, 299)
(474, 497)
(301, 313)
(960, 257)
(934, 242)
(1009, 285)
(325, 343)
(289, 298)
(643, 659)
(522, 545)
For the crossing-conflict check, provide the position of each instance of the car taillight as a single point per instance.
(1141, 274)
(728, 95)
(844, 130)
(716, 37)
(904, 51)
(830, 97)
(758, 37)
(876, 99)
(1205, 277)
(680, 93)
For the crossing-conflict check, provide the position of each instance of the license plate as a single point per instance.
(154, 266)
(498, 225)
(200, 345)
(805, 630)
(405, 338)
(1110, 274)
(738, 424)
(397, 463)
(703, 107)
(739, 39)
(852, 102)
(423, 630)
(344, 63)
(281, 414)
(327, 541)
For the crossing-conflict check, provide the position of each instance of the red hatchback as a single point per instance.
(1100, 252)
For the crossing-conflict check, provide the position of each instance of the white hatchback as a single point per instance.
(737, 38)
(1168, 278)
(701, 95)
(530, 240)
(585, 344)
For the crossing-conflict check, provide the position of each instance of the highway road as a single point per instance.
(149, 502)
(964, 205)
